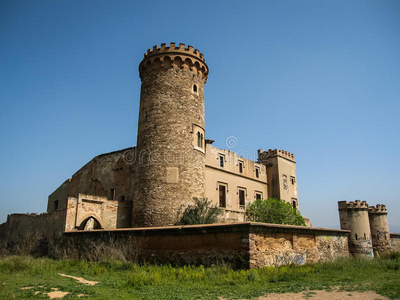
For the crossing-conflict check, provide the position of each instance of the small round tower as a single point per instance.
(379, 229)
(170, 152)
(354, 217)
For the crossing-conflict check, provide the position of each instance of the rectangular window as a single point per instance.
(55, 204)
(242, 198)
(292, 179)
(112, 194)
(222, 195)
(258, 196)
(221, 161)
(240, 167)
(294, 202)
(257, 172)
(122, 198)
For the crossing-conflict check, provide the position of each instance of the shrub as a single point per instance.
(201, 212)
(274, 211)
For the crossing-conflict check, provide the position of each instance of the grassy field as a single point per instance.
(125, 280)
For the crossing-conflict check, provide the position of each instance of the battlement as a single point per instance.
(379, 208)
(263, 156)
(189, 50)
(358, 204)
(172, 56)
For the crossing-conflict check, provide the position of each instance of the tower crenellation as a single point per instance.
(379, 208)
(174, 57)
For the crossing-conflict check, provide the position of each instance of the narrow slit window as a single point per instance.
(222, 196)
(242, 198)
(240, 167)
(257, 173)
(221, 161)
(199, 142)
(55, 204)
(112, 194)
(195, 88)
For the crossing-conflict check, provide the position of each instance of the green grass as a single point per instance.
(125, 280)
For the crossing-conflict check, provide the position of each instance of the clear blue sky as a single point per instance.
(320, 79)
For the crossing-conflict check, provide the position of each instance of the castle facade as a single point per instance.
(173, 162)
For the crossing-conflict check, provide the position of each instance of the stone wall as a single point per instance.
(107, 175)
(107, 214)
(241, 245)
(395, 242)
(49, 225)
(281, 245)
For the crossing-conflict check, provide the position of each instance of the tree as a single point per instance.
(201, 212)
(274, 211)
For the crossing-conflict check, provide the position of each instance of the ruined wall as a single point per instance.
(248, 245)
(395, 242)
(108, 175)
(106, 214)
(276, 245)
(58, 199)
(49, 225)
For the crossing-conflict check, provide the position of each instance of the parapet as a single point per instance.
(263, 156)
(378, 209)
(358, 204)
(172, 56)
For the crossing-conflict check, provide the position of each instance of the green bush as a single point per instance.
(274, 211)
(201, 212)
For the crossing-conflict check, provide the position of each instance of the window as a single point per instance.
(292, 179)
(242, 198)
(222, 195)
(122, 198)
(112, 194)
(294, 202)
(258, 196)
(55, 204)
(221, 161)
(240, 167)
(257, 172)
(194, 88)
(199, 139)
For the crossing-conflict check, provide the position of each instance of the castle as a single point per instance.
(173, 161)
(136, 194)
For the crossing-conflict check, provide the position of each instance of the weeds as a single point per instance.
(128, 280)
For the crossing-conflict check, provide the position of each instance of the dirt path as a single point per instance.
(323, 295)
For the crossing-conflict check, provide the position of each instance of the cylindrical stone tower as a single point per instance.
(354, 217)
(170, 152)
(379, 229)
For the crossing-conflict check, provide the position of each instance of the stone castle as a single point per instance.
(173, 161)
(138, 193)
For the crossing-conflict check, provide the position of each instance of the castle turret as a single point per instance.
(281, 171)
(379, 229)
(354, 217)
(170, 153)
